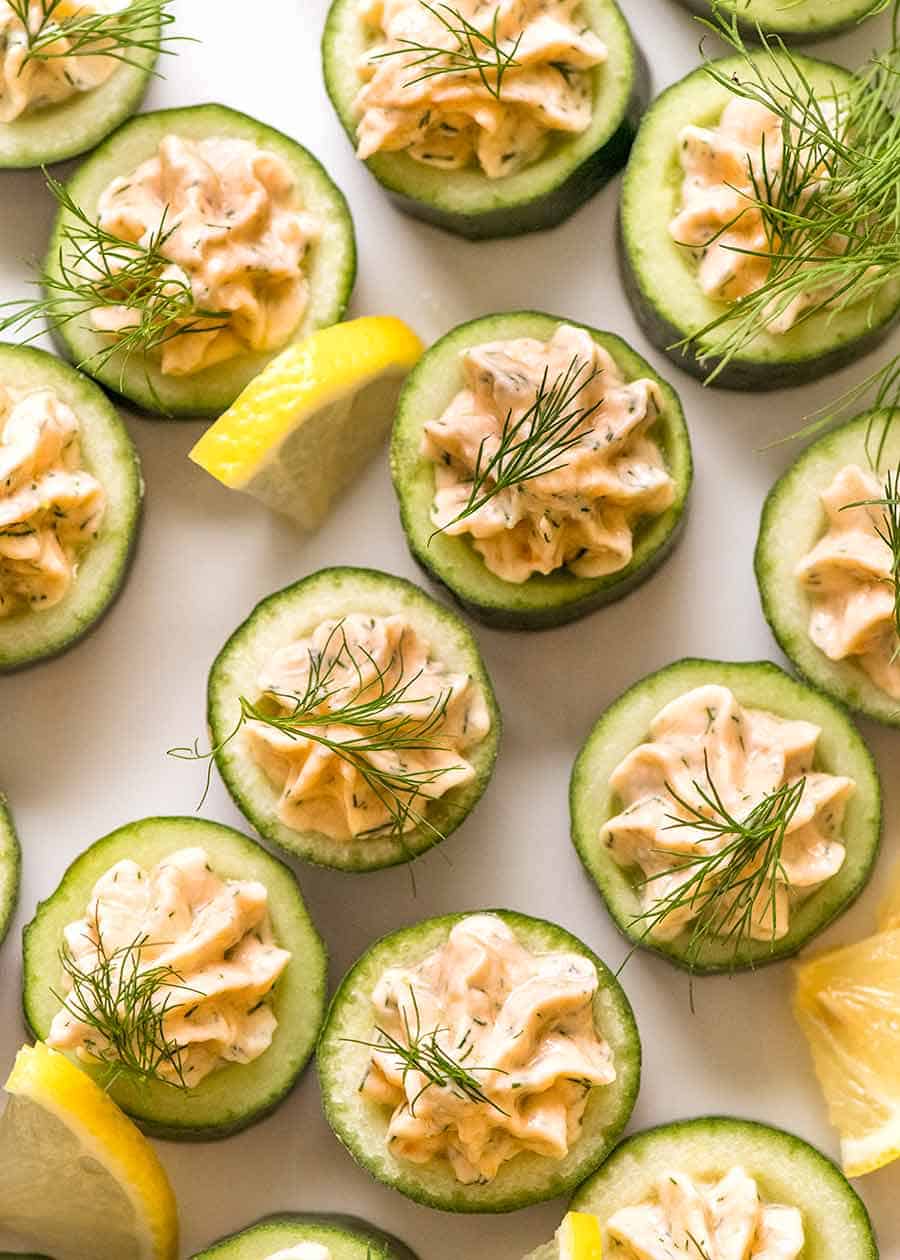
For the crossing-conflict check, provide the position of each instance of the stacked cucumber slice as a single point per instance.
(344, 1238)
(800, 21)
(10, 868)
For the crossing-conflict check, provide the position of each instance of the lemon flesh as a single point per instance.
(306, 427)
(579, 1237)
(847, 1003)
(77, 1179)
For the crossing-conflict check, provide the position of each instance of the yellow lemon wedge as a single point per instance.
(847, 1003)
(309, 423)
(77, 1178)
(579, 1237)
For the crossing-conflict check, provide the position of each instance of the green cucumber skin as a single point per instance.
(349, 1228)
(139, 394)
(822, 30)
(341, 857)
(86, 624)
(740, 375)
(584, 836)
(825, 677)
(606, 590)
(33, 976)
(11, 858)
(787, 1147)
(474, 1199)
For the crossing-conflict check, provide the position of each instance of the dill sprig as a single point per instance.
(888, 530)
(831, 212)
(126, 1005)
(422, 1052)
(725, 889)
(537, 443)
(98, 270)
(141, 27)
(475, 51)
(364, 703)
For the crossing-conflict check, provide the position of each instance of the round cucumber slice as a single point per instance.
(467, 202)
(331, 267)
(756, 684)
(345, 1237)
(107, 452)
(362, 1125)
(542, 601)
(796, 22)
(660, 276)
(236, 1095)
(787, 1170)
(294, 613)
(10, 868)
(793, 521)
(74, 126)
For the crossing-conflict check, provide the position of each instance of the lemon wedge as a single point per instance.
(310, 422)
(77, 1179)
(579, 1237)
(847, 1003)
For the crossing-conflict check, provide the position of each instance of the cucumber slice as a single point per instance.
(787, 1170)
(541, 601)
(238, 1094)
(756, 684)
(362, 1125)
(795, 21)
(467, 202)
(74, 126)
(10, 868)
(107, 452)
(792, 522)
(294, 613)
(345, 1237)
(331, 267)
(660, 277)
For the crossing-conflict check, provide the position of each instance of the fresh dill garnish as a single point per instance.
(537, 443)
(481, 52)
(125, 1005)
(422, 1052)
(368, 704)
(888, 530)
(121, 36)
(831, 212)
(730, 889)
(98, 270)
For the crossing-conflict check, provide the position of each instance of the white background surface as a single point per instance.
(83, 739)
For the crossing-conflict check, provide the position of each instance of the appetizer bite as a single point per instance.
(70, 505)
(188, 250)
(716, 1188)
(300, 1236)
(177, 963)
(479, 1062)
(10, 868)
(795, 22)
(726, 812)
(542, 468)
(752, 210)
(72, 70)
(484, 118)
(352, 719)
(828, 564)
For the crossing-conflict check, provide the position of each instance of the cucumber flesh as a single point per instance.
(107, 451)
(362, 1125)
(793, 520)
(233, 1096)
(756, 684)
(294, 613)
(467, 202)
(660, 277)
(330, 269)
(542, 601)
(10, 869)
(74, 126)
(345, 1237)
(802, 21)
